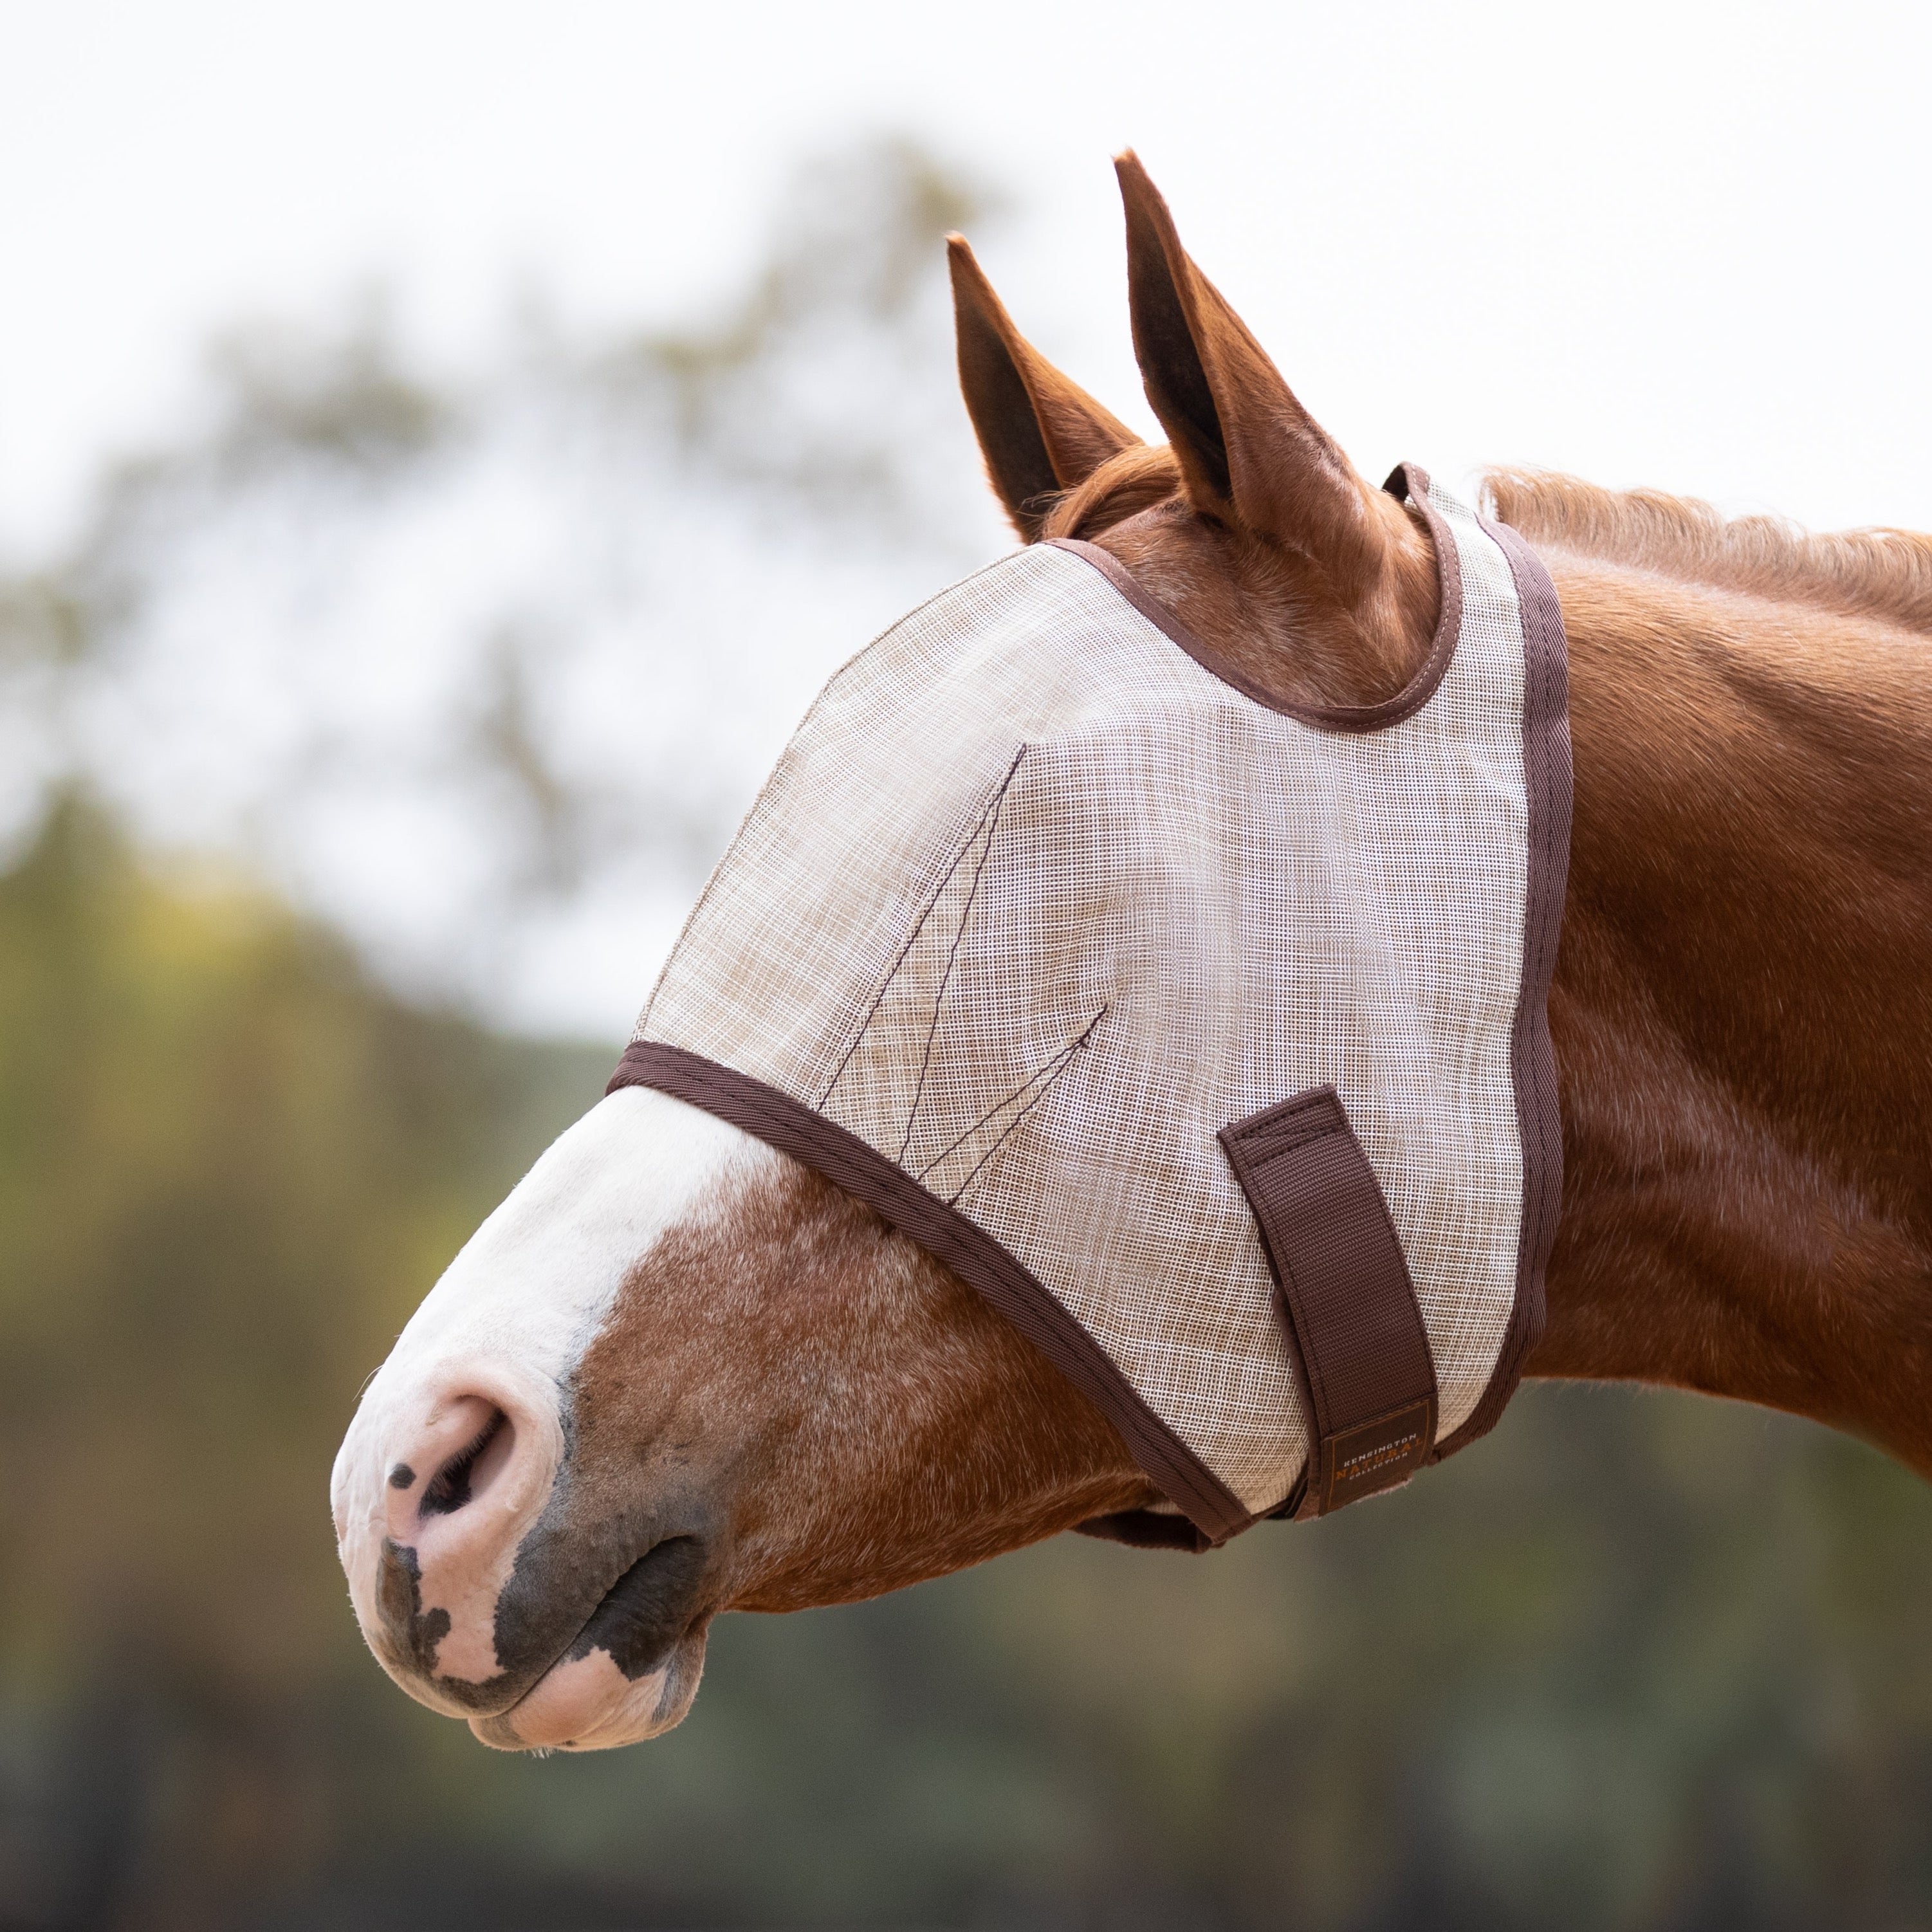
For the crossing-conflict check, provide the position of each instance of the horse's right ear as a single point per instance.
(1040, 432)
(1251, 457)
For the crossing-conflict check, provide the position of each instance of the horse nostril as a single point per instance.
(468, 1472)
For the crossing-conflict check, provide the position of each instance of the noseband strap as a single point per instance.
(1366, 1371)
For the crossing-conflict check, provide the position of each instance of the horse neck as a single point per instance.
(1742, 1012)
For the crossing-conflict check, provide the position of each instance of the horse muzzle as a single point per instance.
(487, 1596)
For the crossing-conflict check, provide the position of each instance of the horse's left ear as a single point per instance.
(1251, 457)
(1039, 430)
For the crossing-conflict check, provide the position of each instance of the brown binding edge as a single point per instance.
(1405, 480)
(860, 1170)
(1548, 788)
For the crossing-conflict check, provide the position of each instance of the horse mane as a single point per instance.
(1882, 573)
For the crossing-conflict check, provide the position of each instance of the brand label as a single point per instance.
(1379, 1455)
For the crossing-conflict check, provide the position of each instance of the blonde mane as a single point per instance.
(1881, 573)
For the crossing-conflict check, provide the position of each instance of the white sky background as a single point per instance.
(1677, 245)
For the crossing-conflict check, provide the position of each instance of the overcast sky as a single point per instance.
(1681, 245)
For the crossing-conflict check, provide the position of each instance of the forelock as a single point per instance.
(1124, 485)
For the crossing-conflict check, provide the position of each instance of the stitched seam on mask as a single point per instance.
(953, 1199)
(919, 925)
(1049, 1071)
(952, 955)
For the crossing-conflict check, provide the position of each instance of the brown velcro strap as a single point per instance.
(1367, 1373)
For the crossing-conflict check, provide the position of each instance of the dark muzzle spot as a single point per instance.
(413, 1635)
(647, 1609)
(401, 1476)
(410, 1634)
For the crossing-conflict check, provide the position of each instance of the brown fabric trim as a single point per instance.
(1548, 786)
(1405, 480)
(1363, 1352)
(848, 1162)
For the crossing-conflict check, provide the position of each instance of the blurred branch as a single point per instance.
(566, 823)
(346, 401)
(854, 256)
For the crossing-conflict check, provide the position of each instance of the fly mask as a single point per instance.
(1206, 1038)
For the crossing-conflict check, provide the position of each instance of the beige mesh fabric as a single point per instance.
(1035, 904)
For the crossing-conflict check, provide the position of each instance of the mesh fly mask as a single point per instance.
(1205, 1037)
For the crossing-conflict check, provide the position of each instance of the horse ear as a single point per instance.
(1039, 432)
(1250, 455)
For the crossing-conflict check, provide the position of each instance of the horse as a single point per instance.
(677, 1373)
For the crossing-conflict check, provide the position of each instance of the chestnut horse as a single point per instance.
(676, 1373)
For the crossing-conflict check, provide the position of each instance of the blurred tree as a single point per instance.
(484, 665)
(228, 1165)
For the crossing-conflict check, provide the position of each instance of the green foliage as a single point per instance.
(225, 1167)
(1637, 1661)
(228, 1169)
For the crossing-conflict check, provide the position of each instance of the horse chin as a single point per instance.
(586, 1703)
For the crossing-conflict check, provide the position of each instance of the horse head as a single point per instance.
(678, 1372)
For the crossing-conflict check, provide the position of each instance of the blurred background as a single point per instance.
(441, 449)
